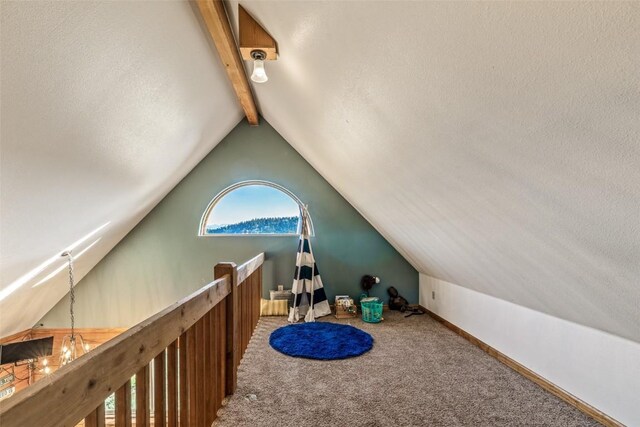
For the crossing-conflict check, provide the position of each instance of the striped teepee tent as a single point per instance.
(309, 301)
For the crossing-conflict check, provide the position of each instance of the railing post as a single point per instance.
(142, 397)
(233, 338)
(183, 381)
(96, 417)
(172, 384)
(159, 409)
(123, 405)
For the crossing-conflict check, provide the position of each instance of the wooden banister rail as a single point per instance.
(250, 291)
(246, 282)
(247, 269)
(194, 346)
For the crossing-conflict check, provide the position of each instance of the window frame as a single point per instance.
(202, 229)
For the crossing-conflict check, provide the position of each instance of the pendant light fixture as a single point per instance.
(259, 74)
(255, 45)
(72, 345)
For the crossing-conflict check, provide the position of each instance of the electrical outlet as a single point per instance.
(433, 294)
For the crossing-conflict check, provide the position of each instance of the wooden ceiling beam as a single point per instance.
(217, 22)
(253, 37)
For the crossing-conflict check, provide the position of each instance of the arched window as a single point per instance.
(253, 208)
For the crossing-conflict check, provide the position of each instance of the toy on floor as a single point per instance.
(398, 302)
(368, 281)
(345, 307)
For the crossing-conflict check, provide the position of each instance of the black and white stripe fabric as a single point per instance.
(309, 298)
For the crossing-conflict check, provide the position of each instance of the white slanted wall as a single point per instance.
(601, 369)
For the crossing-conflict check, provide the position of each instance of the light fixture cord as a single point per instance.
(72, 295)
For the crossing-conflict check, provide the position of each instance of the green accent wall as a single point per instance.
(163, 260)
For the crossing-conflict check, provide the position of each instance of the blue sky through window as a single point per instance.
(252, 202)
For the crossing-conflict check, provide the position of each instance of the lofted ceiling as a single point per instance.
(495, 145)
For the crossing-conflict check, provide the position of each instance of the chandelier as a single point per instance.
(72, 345)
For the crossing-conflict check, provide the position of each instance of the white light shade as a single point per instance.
(259, 75)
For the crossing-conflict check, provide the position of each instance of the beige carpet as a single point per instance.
(418, 374)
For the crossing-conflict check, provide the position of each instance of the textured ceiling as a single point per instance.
(105, 107)
(495, 144)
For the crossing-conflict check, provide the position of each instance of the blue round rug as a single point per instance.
(321, 340)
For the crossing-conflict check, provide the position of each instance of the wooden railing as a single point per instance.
(194, 346)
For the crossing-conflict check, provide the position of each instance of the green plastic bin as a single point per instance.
(371, 311)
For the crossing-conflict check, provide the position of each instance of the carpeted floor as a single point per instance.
(418, 373)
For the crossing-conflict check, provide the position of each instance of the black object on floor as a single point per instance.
(400, 303)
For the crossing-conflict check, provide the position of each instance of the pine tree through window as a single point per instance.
(250, 208)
